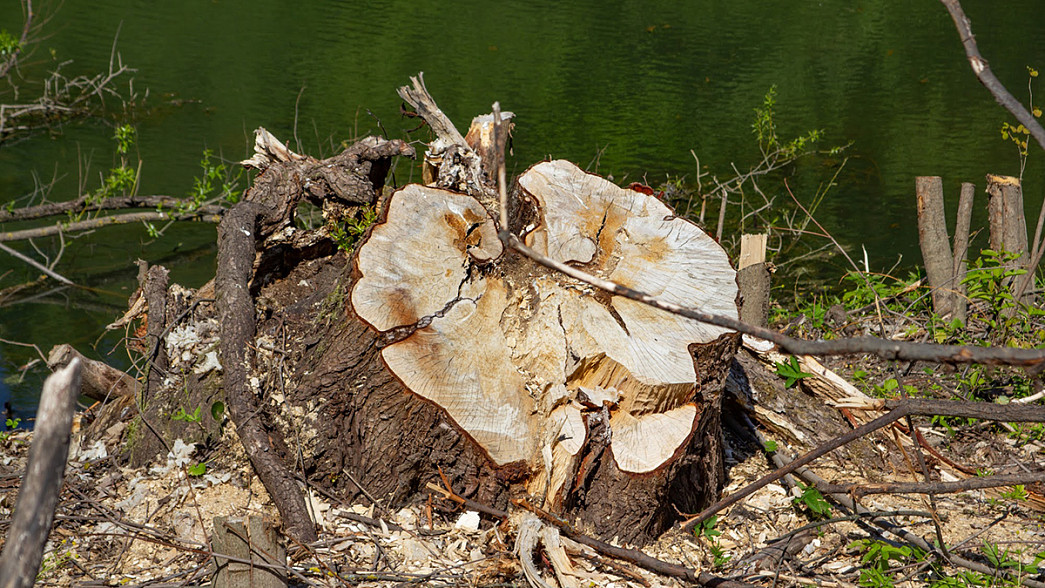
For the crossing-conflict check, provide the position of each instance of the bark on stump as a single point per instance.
(511, 380)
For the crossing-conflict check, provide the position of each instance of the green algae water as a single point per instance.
(632, 89)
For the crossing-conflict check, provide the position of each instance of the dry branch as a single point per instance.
(100, 381)
(898, 409)
(34, 511)
(236, 242)
(103, 221)
(955, 354)
(89, 204)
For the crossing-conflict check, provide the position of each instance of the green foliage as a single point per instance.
(347, 233)
(770, 446)
(813, 502)
(121, 179)
(765, 131)
(877, 559)
(11, 424)
(790, 371)
(217, 182)
(197, 470)
(707, 531)
(1018, 492)
(217, 410)
(125, 137)
(9, 44)
(181, 415)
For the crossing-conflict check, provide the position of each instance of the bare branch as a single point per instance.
(102, 221)
(952, 354)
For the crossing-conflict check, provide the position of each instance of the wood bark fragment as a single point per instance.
(34, 510)
(936, 248)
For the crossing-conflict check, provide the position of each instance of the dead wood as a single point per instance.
(254, 540)
(87, 203)
(936, 248)
(898, 409)
(236, 243)
(961, 247)
(992, 481)
(34, 511)
(104, 221)
(100, 381)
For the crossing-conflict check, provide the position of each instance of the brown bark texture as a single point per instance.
(936, 248)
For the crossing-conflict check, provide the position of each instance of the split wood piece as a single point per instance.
(1009, 225)
(236, 243)
(100, 381)
(38, 495)
(753, 278)
(936, 248)
(246, 543)
(544, 373)
(449, 162)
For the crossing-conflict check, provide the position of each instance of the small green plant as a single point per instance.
(197, 470)
(217, 182)
(877, 559)
(1018, 492)
(11, 425)
(790, 371)
(9, 44)
(813, 501)
(707, 530)
(348, 232)
(765, 132)
(181, 415)
(770, 446)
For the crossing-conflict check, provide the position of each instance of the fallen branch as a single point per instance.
(32, 262)
(86, 204)
(898, 410)
(102, 221)
(935, 487)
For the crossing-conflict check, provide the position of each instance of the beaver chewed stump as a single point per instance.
(599, 408)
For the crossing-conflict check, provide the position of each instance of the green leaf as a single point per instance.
(198, 470)
(771, 446)
(790, 371)
(217, 410)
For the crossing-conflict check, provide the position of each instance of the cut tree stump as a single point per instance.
(936, 248)
(1009, 225)
(514, 381)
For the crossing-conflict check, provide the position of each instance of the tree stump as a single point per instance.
(459, 357)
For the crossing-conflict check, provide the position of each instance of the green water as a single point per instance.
(629, 87)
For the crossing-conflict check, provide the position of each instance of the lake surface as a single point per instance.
(629, 88)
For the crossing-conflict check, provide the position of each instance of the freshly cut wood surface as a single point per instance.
(503, 345)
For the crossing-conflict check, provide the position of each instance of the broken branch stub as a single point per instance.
(526, 360)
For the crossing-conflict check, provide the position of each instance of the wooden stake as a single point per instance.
(961, 247)
(936, 250)
(753, 278)
(38, 496)
(1007, 222)
(253, 540)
